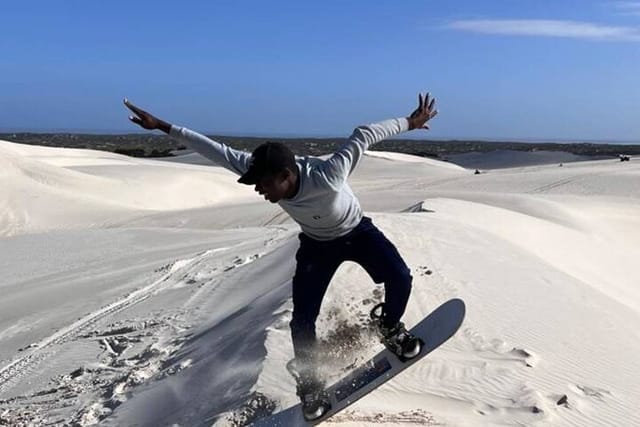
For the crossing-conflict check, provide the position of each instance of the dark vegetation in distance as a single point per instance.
(153, 145)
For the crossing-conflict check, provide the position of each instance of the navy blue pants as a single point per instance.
(317, 261)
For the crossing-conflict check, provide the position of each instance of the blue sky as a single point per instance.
(499, 68)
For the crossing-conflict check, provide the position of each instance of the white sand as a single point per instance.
(158, 292)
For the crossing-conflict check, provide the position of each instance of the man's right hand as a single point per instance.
(146, 120)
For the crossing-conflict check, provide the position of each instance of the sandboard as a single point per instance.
(434, 330)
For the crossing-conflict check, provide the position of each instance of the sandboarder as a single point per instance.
(315, 193)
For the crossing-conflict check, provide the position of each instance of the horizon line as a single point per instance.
(284, 135)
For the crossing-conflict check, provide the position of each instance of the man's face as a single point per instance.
(274, 187)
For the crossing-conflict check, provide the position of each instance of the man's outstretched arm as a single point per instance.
(344, 161)
(235, 160)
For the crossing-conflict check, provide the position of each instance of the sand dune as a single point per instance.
(51, 188)
(158, 293)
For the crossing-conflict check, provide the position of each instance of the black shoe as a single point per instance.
(401, 342)
(311, 391)
(315, 404)
(396, 338)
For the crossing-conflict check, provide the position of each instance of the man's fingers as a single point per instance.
(128, 104)
(135, 120)
(427, 100)
(133, 107)
(432, 104)
(433, 114)
(420, 101)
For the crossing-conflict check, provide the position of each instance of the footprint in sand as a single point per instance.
(257, 406)
(580, 396)
(499, 350)
(596, 393)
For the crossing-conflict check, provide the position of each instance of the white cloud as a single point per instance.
(628, 7)
(548, 28)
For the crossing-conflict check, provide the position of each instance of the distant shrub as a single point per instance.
(131, 152)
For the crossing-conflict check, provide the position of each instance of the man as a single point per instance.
(314, 192)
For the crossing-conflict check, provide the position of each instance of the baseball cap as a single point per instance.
(268, 158)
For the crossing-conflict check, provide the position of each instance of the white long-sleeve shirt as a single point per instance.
(324, 206)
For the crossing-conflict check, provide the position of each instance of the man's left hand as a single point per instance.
(425, 112)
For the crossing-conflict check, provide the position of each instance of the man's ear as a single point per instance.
(287, 173)
(280, 176)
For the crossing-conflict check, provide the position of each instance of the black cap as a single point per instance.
(268, 158)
